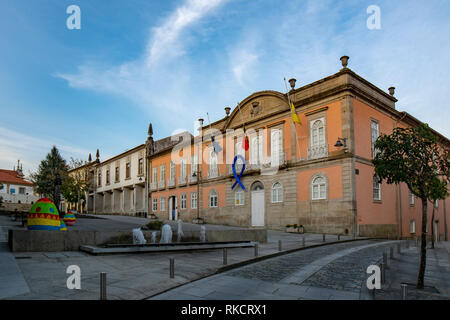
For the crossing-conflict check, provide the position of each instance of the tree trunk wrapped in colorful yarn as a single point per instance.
(69, 218)
(44, 216)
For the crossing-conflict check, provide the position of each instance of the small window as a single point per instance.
(117, 176)
(21, 190)
(376, 188)
(213, 199)
(155, 204)
(193, 200)
(411, 198)
(141, 166)
(239, 197)
(107, 176)
(99, 178)
(318, 188)
(162, 204)
(154, 174)
(412, 226)
(183, 202)
(128, 170)
(162, 173)
(277, 193)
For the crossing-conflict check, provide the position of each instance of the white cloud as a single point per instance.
(31, 150)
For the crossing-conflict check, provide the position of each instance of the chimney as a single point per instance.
(344, 60)
(391, 91)
(292, 83)
(227, 111)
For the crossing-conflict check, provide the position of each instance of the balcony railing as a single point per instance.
(171, 182)
(181, 180)
(193, 179)
(161, 184)
(316, 152)
(213, 172)
(153, 185)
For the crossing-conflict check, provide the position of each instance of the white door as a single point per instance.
(258, 208)
(170, 203)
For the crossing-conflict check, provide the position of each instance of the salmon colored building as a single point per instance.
(294, 173)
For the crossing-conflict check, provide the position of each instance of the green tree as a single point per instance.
(44, 179)
(75, 186)
(414, 157)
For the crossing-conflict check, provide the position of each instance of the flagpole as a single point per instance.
(293, 122)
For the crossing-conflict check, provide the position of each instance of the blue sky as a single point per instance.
(170, 62)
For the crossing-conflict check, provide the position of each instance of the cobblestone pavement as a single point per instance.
(333, 272)
(278, 268)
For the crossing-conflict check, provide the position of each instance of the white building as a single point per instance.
(15, 188)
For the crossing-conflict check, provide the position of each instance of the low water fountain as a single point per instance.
(202, 234)
(166, 234)
(138, 237)
(153, 240)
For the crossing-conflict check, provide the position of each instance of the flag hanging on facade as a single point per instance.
(245, 142)
(295, 117)
(217, 148)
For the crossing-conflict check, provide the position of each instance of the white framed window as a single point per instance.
(411, 198)
(374, 133)
(412, 226)
(238, 150)
(154, 174)
(194, 200)
(256, 150)
(276, 146)
(317, 132)
(277, 192)
(376, 188)
(162, 173)
(239, 197)
(319, 188)
(162, 204)
(183, 205)
(194, 160)
(213, 169)
(213, 199)
(172, 170)
(155, 204)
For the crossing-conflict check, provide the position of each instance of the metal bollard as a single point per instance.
(339, 237)
(303, 241)
(172, 267)
(391, 253)
(256, 250)
(385, 259)
(404, 291)
(279, 245)
(417, 241)
(225, 260)
(398, 248)
(383, 273)
(323, 237)
(102, 285)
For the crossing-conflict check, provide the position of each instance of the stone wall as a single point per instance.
(378, 230)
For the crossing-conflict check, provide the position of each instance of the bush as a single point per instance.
(155, 225)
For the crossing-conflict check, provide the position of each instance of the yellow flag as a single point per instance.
(295, 117)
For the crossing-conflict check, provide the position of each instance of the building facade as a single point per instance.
(16, 190)
(317, 173)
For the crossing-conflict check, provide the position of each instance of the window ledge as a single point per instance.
(377, 201)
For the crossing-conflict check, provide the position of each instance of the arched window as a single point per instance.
(319, 188)
(213, 199)
(318, 133)
(277, 192)
(213, 168)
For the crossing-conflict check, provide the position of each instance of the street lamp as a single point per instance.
(341, 142)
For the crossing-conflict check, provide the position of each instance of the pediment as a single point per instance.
(257, 106)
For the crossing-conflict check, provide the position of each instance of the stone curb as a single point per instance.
(257, 259)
